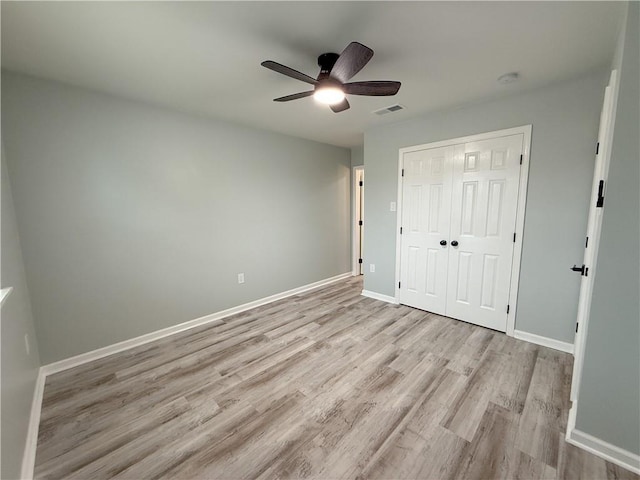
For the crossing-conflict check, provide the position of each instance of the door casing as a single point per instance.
(357, 200)
(525, 130)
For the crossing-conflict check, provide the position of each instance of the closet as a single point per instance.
(458, 226)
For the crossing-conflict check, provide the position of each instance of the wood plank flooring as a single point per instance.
(327, 384)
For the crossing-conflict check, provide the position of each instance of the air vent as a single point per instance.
(391, 109)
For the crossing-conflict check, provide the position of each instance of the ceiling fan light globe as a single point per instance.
(329, 95)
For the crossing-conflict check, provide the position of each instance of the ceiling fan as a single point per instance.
(335, 70)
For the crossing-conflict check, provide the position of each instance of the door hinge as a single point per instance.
(508, 308)
(360, 222)
(600, 202)
(400, 230)
(597, 148)
(403, 172)
(514, 237)
(359, 260)
(520, 159)
(398, 284)
(577, 327)
(586, 243)
(361, 183)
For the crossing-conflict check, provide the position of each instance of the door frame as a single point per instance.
(525, 130)
(357, 269)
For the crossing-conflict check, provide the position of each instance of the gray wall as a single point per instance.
(565, 125)
(609, 397)
(19, 369)
(357, 156)
(134, 218)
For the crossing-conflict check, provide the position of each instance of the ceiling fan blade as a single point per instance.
(351, 61)
(340, 107)
(295, 96)
(289, 72)
(382, 88)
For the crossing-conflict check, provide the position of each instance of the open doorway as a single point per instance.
(358, 218)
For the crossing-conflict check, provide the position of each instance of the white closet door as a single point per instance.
(426, 211)
(484, 202)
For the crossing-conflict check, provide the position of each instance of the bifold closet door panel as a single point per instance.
(426, 212)
(485, 183)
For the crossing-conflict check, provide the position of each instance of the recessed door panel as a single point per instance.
(412, 273)
(463, 275)
(494, 207)
(498, 159)
(469, 203)
(435, 207)
(414, 204)
(437, 166)
(432, 270)
(489, 282)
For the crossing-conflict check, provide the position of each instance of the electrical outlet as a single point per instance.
(372, 268)
(392, 207)
(26, 344)
(241, 278)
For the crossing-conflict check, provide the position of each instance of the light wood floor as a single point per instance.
(327, 384)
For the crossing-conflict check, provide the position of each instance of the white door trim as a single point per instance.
(525, 130)
(355, 191)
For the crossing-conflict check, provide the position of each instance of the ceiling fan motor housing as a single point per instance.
(326, 61)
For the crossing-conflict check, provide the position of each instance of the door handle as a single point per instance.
(584, 271)
(443, 243)
(454, 243)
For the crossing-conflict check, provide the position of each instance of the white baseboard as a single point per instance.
(379, 296)
(605, 450)
(544, 341)
(83, 358)
(29, 455)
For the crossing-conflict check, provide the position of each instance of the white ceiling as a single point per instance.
(204, 57)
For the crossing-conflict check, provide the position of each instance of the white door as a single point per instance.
(486, 176)
(594, 225)
(459, 206)
(426, 201)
